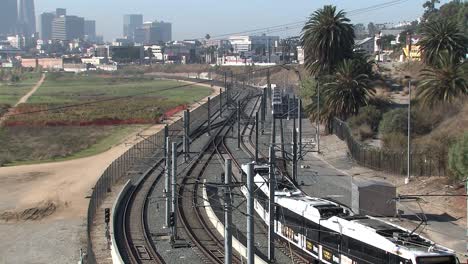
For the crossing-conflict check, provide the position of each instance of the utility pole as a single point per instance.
(273, 130)
(408, 168)
(221, 102)
(209, 115)
(167, 182)
(256, 137)
(238, 125)
(174, 191)
(283, 152)
(318, 115)
(250, 214)
(271, 207)
(264, 108)
(299, 116)
(294, 152)
(227, 212)
(269, 84)
(186, 134)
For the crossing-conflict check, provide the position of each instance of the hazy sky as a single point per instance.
(195, 18)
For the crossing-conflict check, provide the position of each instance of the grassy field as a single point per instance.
(10, 93)
(87, 129)
(26, 145)
(126, 100)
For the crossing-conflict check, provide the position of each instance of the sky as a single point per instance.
(196, 18)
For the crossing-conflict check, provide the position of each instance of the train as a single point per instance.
(329, 232)
(283, 104)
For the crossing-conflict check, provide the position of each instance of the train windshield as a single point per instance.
(436, 260)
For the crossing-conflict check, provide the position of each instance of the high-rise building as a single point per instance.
(153, 33)
(27, 17)
(90, 29)
(67, 28)
(131, 23)
(60, 12)
(8, 16)
(45, 27)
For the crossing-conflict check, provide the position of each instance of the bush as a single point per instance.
(458, 158)
(368, 115)
(396, 121)
(395, 141)
(365, 132)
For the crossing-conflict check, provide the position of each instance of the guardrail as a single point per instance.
(386, 160)
(118, 169)
(115, 253)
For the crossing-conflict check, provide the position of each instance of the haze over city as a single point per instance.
(194, 19)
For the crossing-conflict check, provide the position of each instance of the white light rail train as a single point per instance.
(328, 232)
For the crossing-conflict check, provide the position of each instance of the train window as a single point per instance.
(436, 260)
(365, 251)
(330, 238)
(312, 230)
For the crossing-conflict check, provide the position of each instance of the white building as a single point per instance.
(300, 55)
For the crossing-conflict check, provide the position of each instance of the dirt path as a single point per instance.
(23, 99)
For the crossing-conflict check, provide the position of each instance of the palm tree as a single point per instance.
(443, 82)
(349, 92)
(327, 39)
(439, 36)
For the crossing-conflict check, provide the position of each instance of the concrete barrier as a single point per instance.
(236, 244)
(116, 257)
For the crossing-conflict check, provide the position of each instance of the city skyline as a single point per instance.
(227, 18)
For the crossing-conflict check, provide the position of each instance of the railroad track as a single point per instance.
(206, 243)
(135, 244)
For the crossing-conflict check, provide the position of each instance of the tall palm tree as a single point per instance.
(443, 82)
(327, 39)
(349, 91)
(439, 36)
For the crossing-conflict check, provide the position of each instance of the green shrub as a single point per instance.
(458, 158)
(365, 132)
(368, 115)
(396, 121)
(395, 141)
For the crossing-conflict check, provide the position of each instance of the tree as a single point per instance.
(458, 158)
(444, 81)
(440, 36)
(327, 39)
(372, 29)
(349, 92)
(207, 36)
(430, 9)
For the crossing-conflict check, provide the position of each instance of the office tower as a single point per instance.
(67, 28)
(45, 26)
(131, 22)
(8, 16)
(60, 12)
(90, 29)
(27, 17)
(154, 33)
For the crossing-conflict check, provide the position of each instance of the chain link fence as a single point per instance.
(387, 160)
(149, 146)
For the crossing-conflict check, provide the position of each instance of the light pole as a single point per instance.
(408, 168)
(318, 114)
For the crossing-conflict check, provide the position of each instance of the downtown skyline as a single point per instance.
(221, 18)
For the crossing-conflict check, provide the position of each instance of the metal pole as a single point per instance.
(227, 213)
(408, 168)
(256, 137)
(209, 116)
(167, 183)
(299, 116)
(250, 214)
(294, 152)
(185, 141)
(238, 125)
(318, 116)
(271, 207)
(221, 102)
(226, 86)
(174, 189)
(283, 152)
(269, 83)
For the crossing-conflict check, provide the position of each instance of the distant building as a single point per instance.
(131, 23)
(45, 26)
(8, 16)
(260, 45)
(300, 55)
(61, 12)
(27, 17)
(67, 28)
(153, 33)
(367, 45)
(90, 29)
